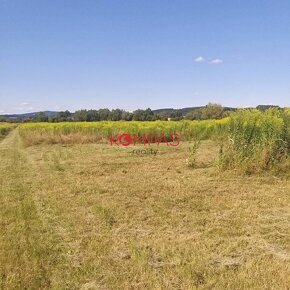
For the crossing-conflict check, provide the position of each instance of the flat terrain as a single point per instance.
(95, 216)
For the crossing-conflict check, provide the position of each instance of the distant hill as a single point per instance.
(184, 111)
(30, 115)
(266, 107)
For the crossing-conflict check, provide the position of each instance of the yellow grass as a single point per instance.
(91, 132)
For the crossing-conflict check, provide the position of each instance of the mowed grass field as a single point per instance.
(95, 216)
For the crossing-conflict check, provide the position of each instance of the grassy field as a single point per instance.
(95, 216)
(85, 132)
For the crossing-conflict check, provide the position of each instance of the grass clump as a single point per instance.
(191, 160)
(256, 140)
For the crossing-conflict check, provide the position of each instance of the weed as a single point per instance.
(191, 160)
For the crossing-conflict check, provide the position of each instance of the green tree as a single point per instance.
(116, 115)
(126, 116)
(41, 117)
(212, 111)
(104, 114)
(81, 115)
(93, 115)
(194, 115)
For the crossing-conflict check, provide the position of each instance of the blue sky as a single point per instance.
(73, 54)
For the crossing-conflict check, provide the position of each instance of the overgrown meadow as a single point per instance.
(257, 141)
(84, 132)
(249, 140)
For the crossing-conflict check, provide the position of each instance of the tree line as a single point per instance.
(210, 111)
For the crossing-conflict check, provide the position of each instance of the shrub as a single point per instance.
(256, 140)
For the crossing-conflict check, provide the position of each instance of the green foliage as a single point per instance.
(194, 115)
(212, 111)
(256, 140)
(40, 117)
(209, 112)
(143, 115)
(191, 160)
(5, 128)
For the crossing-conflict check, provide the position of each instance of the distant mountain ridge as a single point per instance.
(31, 115)
(186, 110)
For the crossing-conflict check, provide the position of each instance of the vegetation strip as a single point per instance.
(29, 251)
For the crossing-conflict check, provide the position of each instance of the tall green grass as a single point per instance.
(256, 140)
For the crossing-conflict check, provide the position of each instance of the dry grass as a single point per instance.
(92, 216)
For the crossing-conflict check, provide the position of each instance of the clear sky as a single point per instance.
(73, 54)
